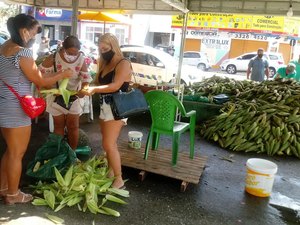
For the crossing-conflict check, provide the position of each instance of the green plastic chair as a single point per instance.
(163, 107)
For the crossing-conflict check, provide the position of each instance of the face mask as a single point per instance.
(107, 56)
(70, 58)
(30, 43)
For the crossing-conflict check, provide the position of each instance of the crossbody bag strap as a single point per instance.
(12, 90)
(54, 67)
(113, 77)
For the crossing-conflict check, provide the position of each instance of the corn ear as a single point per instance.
(50, 198)
(36, 166)
(54, 219)
(105, 186)
(110, 211)
(59, 178)
(92, 206)
(68, 176)
(114, 199)
(123, 193)
(74, 201)
(39, 201)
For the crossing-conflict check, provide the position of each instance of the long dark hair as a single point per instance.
(14, 24)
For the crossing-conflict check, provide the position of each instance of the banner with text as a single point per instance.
(239, 23)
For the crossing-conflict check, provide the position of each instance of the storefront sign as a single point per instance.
(53, 12)
(268, 23)
(239, 23)
(216, 43)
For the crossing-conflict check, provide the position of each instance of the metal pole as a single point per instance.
(178, 78)
(75, 4)
(183, 34)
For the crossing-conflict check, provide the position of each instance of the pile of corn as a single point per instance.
(218, 85)
(85, 185)
(265, 119)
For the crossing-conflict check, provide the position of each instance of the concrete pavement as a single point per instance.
(218, 199)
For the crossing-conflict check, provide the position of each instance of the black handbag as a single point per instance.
(128, 104)
(60, 101)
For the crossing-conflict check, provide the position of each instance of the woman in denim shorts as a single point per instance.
(114, 75)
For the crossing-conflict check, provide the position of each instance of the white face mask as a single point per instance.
(70, 58)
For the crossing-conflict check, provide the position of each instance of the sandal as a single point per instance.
(19, 197)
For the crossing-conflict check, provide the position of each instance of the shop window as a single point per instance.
(120, 34)
(92, 33)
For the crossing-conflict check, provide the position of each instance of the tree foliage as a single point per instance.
(6, 11)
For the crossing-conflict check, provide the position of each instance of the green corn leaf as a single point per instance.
(69, 197)
(50, 198)
(51, 91)
(77, 181)
(54, 219)
(74, 201)
(114, 199)
(63, 90)
(59, 178)
(79, 207)
(84, 207)
(68, 176)
(59, 207)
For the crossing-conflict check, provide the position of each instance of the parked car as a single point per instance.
(198, 59)
(4, 36)
(152, 66)
(168, 49)
(2, 40)
(241, 62)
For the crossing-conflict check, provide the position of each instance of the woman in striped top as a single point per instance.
(18, 69)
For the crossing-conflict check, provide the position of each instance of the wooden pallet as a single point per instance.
(159, 162)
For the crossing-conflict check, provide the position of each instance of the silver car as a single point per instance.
(241, 62)
(198, 59)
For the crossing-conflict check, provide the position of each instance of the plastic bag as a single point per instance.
(56, 152)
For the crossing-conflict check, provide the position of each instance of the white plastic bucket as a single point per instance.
(260, 177)
(135, 139)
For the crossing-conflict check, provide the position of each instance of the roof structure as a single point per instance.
(267, 7)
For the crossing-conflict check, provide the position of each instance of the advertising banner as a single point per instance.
(239, 23)
(50, 14)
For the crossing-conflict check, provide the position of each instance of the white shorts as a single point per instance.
(106, 113)
(55, 110)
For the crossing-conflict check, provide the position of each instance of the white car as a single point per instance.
(4, 36)
(198, 59)
(241, 62)
(152, 66)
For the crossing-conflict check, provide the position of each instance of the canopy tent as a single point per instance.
(172, 7)
(96, 16)
(103, 17)
(269, 7)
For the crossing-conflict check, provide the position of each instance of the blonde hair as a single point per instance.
(111, 40)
